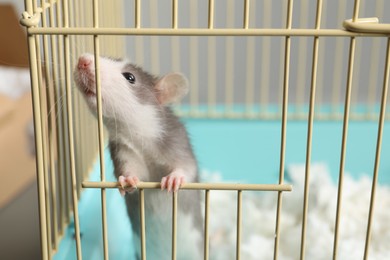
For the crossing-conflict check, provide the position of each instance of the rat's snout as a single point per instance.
(84, 62)
(84, 75)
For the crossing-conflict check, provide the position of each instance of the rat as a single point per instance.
(148, 143)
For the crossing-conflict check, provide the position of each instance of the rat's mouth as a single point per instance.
(89, 93)
(85, 81)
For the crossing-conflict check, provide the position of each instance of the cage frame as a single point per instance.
(356, 27)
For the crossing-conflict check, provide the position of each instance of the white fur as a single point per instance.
(159, 226)
(125, 115)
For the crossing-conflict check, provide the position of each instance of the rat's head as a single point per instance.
(125, 88)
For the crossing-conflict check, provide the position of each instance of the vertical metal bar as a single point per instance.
(250, 65)
(378, 148)
(357, 83)
(302, 57)
(64, 179)
(246, 13)
(53, 136)
(43, 111)
(52, 212)
(100, 125)
(356, 9)
(284, 124)
(284, 119)
(206, 225)
(211, 14)
(345, 132)
(211, 60)
(174, 224)
(83, 153)
(337, 69)
(88, 22)
(75, 97)
(76, 103)
(194, 59)
(117, 46)
(229, 63)
(321, 65)
(57, 118)
(38, 136)
(174, 14)
(142, 222)
(175, 40)
(139, 40)
(374, 68)
(239, 221)
(104, 21)
(310, 129)
(344, 143)
(79, 12)
(154, 40)
(70, 132)
(358, 57)
(91, 128)
(119, 22)
(266, 59)
(106, 43)
(44, 121)
(137, 15)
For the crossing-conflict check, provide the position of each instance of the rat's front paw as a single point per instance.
(127, 183)
(173, 181)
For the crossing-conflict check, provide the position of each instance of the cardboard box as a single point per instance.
(17, 164)
(13, 43)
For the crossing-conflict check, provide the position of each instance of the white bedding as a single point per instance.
(259, 219)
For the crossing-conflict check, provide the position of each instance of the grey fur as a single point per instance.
(152, 162)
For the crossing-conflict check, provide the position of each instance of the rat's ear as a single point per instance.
(171, 88)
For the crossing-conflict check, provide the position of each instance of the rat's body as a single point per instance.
(148, 143)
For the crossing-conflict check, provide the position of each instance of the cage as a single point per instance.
(273, 84)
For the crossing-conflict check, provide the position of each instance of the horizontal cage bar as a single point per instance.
(196, 186)
(200, 32)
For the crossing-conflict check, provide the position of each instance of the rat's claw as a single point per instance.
(122, 181)
(133, 181)
(163, 182)
(172, 182)
(127, 183)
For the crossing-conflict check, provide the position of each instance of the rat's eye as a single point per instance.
(129, 77)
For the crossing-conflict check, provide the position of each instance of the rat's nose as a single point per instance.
(84, 62)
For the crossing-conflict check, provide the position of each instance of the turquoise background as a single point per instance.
(243, 150)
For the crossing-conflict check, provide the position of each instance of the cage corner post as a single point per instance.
(33, 57)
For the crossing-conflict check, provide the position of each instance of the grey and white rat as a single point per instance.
(148, 143)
